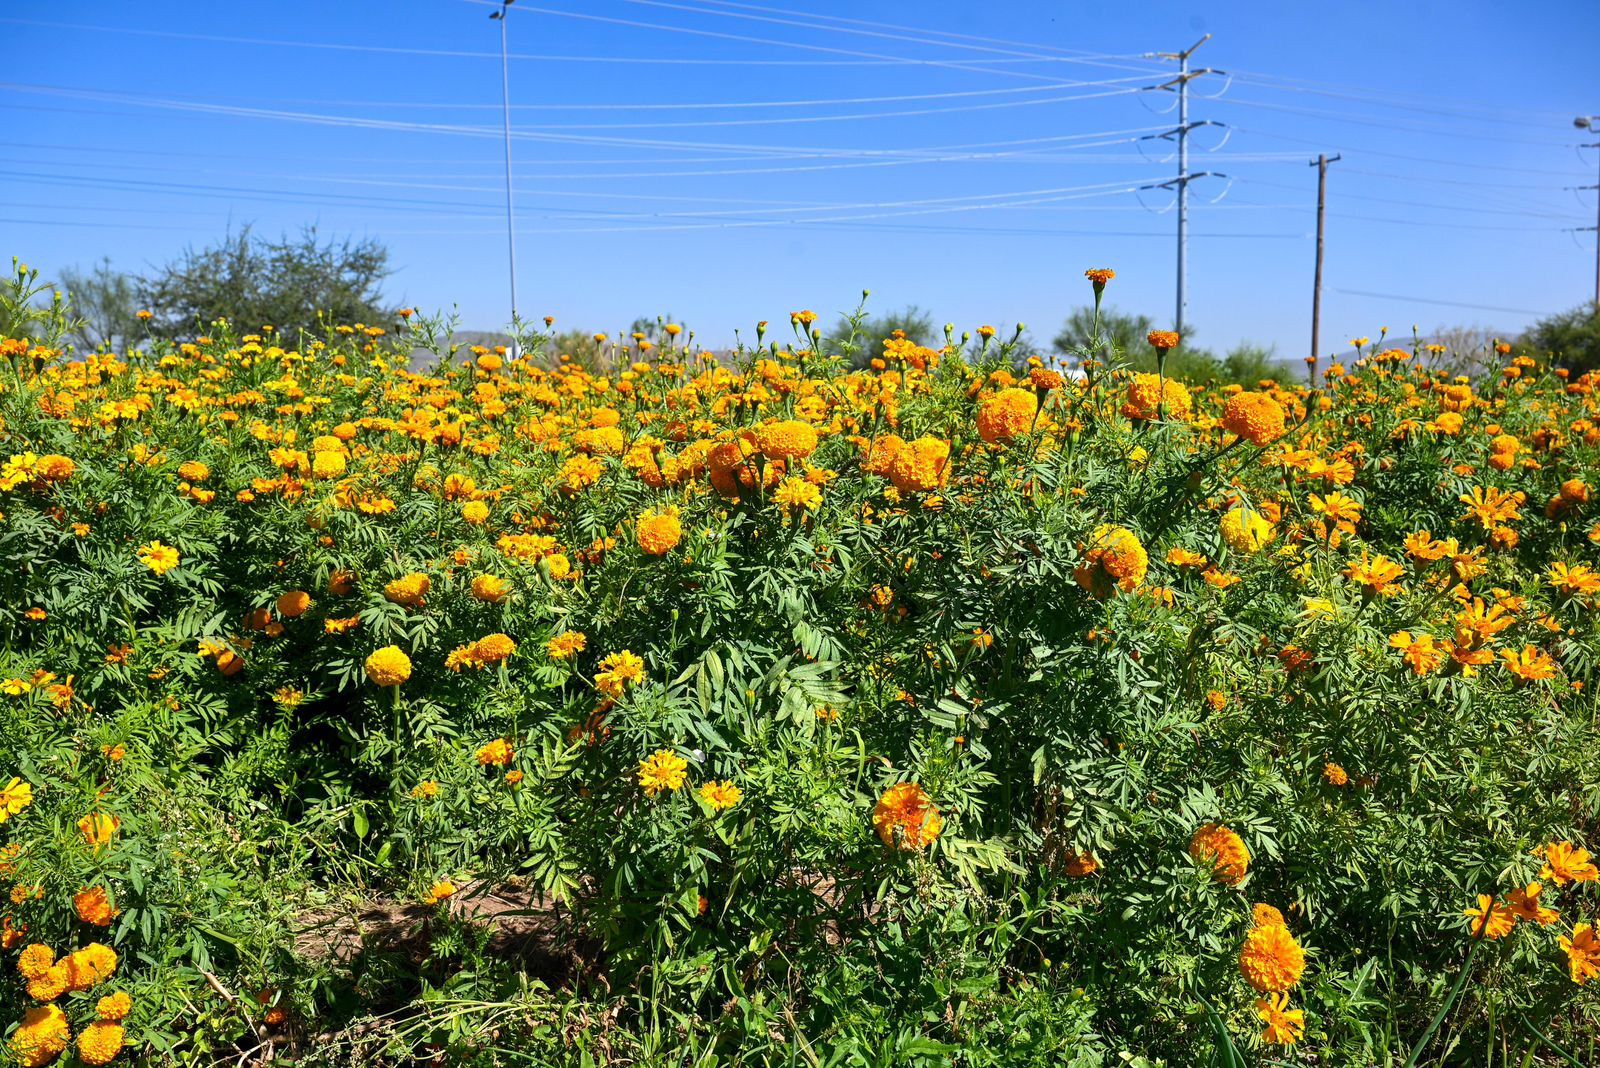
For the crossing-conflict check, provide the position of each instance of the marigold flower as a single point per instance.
(661, 771)
(497, 753)
(1008, 414)
(16, 796)
(475, 512)
(114, 1006)
(158, 557)
(93, 906)
(1147, 392)
(1524, 905)
(720, 795)
(1262, 914)
(566, 644)
(658, 531)
(389, 666)
(787, 439)
(1114, 557)
(1270, 959)
(1162, 339)
(1283, 1026)
(101, 1042)
(617, 672)
(1081, 864)
(906, 818)
(98, 828)
(1223, 851)
(1564, 863)
(1490, 919)
(1246, 530)
(490, 589)
(439, 891)
(408, 590)
(41, 1036)
(1335, 775)
(1100, 276)
(1255, 417)
(1375, 574)
(293, 604)
(35, 960)
(921, 465)
(1583, 953)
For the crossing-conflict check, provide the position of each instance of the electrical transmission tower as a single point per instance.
(1180, 184)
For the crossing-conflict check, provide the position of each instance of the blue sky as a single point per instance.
(727, 162)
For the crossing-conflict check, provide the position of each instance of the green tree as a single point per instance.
(292, 283)
(1570, 339)
(106, 302)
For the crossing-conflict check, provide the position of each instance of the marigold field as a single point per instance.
(951, 707)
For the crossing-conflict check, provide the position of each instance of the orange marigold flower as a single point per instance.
(1114, 557)
(1282, 1026)
(1490, 919)
(408, 590)
(1583, 953)
(906, 818)
(1255, 417)
(93, 906)
(1162, 339)
(1223, 851)
(1270, 959)
(787, 439)
(1564, 863)
(658, 531)
(1524, 904)
(1008, 414)
(497, 754)
(1148, 391)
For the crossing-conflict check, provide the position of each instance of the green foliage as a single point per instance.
(107, 301)
(1570, 339)
(293, 284)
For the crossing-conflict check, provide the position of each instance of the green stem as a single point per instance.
(1455, 991)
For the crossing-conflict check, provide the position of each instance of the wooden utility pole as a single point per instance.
(1321, 164)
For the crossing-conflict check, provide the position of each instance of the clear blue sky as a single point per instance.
(972, 158)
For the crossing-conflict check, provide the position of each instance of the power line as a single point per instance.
(1428, 300)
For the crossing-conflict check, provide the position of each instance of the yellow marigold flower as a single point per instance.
(1270, 959)
(720, 795)
(787, 439)
(617, 672)
(98, 828)
(1524, 905)
(475, 512)
(35, 961)
(293, 604)
(1246, 530)
(1564, 863)
(389, 666)
(326, 465)
(1179, 557)
(408, 590)
(1573, 580)
(1148, 391)
(1114, 557)
(158, 557)
(566, 644)
(490, 589)
(1335, 775)
(16, 796)
(796, 492)
(193, 471)
(1283, 1026)
(1224, 852)
(1490, 919)
(1420, 652)
(101, 1042)
(425, 790)
(1008, 414)
(94, 907)
(658, 531)
(439, 891)
(1583, 953)
(114, 1006)
(89, 966)
(662, 770)
(906, 818)
(558, 565)
(496, 754)
(493, 648)
(41, 1036)
(1255, 417)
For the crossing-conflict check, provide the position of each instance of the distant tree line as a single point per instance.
(293, 283)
